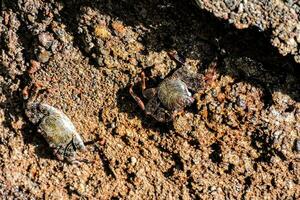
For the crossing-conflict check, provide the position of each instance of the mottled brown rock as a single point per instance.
(279, 17)
(237, 141)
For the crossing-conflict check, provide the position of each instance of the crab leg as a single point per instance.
(147, 93)
(136, 98)
(143, 82)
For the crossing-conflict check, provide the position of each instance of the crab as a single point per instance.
(57, 129)
(172, 95)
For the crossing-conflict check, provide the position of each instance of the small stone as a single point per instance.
(31, 18)
(34, 66)
(100, 61)
(133, 61)
(212, 188)
(183, 123)
(102, 32)
(118, 26)
(44, 56)
(231, 4)
(46, 39)
(25, 92)
(133, 160)
(241, 8)
(292, 42)
(102, 142)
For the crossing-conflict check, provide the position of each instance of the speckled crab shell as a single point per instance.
(57, 129)
(174, 94)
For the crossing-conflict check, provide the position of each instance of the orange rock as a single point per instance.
(118, 26)
(34, 66)
(102, 32)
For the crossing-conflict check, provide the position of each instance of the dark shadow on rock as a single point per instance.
(33, 137)
(216, 153)
(263, 145)
(178, 165)
(180, 25)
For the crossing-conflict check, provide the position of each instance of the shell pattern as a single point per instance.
(174, 94)
(57, 129)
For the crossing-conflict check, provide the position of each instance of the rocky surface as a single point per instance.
(239, 140)
(279, 19)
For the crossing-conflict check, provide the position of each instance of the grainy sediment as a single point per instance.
(238, 140)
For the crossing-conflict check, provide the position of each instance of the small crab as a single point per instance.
(57, 129)
(172, 95)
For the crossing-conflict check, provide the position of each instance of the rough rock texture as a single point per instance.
(278, 18)
(239, 140)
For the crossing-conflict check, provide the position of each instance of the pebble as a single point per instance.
(102, 32)
(133, 160)
(43, 56)
(45, 39)
(118, 27)
(34, 66)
